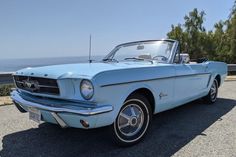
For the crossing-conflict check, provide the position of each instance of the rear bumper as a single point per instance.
(66, 115)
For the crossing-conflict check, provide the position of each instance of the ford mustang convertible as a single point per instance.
(123, 91)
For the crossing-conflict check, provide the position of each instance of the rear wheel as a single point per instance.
(212, 95)
(132, 121)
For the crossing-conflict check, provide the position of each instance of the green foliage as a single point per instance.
(233, 40)
(6, 89)
(217, 44)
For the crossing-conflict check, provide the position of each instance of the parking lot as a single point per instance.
(195, 129)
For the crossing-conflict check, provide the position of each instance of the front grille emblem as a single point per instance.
(32, 85)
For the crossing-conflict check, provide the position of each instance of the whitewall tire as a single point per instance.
(212, 95)
(133, 121)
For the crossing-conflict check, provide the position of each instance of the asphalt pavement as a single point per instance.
(194, 129)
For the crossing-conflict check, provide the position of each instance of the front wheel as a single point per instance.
(212, 95)
(132, 121)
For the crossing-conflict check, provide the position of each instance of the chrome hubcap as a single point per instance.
(213, 91)
(130, 120)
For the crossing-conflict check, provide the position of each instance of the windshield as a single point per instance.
(159, 51)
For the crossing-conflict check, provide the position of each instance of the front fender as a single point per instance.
(135, 87)
(117, 94)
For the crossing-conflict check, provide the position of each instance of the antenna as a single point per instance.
(90, 42)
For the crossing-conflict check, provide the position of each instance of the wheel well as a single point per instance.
(148, 94)
(218, 80)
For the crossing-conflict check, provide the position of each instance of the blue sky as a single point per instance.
(55, 28)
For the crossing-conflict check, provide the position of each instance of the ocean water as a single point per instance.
(12, 65)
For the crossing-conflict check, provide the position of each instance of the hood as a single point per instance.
(80, 70)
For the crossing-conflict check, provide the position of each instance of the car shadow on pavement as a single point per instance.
(170, 131)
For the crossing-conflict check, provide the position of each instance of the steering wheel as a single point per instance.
(163, 58)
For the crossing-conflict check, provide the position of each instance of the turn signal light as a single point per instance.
(84, 123)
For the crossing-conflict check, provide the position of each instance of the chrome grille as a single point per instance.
(37, 84)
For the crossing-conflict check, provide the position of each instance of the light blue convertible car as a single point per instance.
(132, 83)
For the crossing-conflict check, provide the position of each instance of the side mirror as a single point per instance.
(184, 58)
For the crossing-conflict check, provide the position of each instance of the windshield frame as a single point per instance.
(170, 59)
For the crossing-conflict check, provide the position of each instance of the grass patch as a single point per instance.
(6, 89)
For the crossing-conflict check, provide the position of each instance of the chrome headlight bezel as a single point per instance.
(86, 89)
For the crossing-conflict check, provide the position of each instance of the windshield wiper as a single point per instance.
(140, 59)
(110, 60)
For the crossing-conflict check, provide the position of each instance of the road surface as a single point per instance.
(195, 129)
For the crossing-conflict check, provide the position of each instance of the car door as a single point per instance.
(191, 81)
(201, 78)
(184, 82)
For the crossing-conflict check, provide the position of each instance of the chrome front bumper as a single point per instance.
(15, 95)
(66, 115)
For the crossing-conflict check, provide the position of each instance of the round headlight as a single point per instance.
(86, 89)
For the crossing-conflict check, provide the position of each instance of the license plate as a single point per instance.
(34, 114)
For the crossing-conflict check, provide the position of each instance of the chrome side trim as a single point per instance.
(168, 77)
(81, 111)
(209, 80)
(59, 120)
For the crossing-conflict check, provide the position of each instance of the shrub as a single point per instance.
(6, 89)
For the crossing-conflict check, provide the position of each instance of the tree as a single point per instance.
(192, 35)
(178, 34)
(233, 10)
(217, 44)
(195, 32)
(221, 41)
(233, 39)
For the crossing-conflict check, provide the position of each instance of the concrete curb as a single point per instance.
(6, 104)
(230, 78)
(5, 100)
